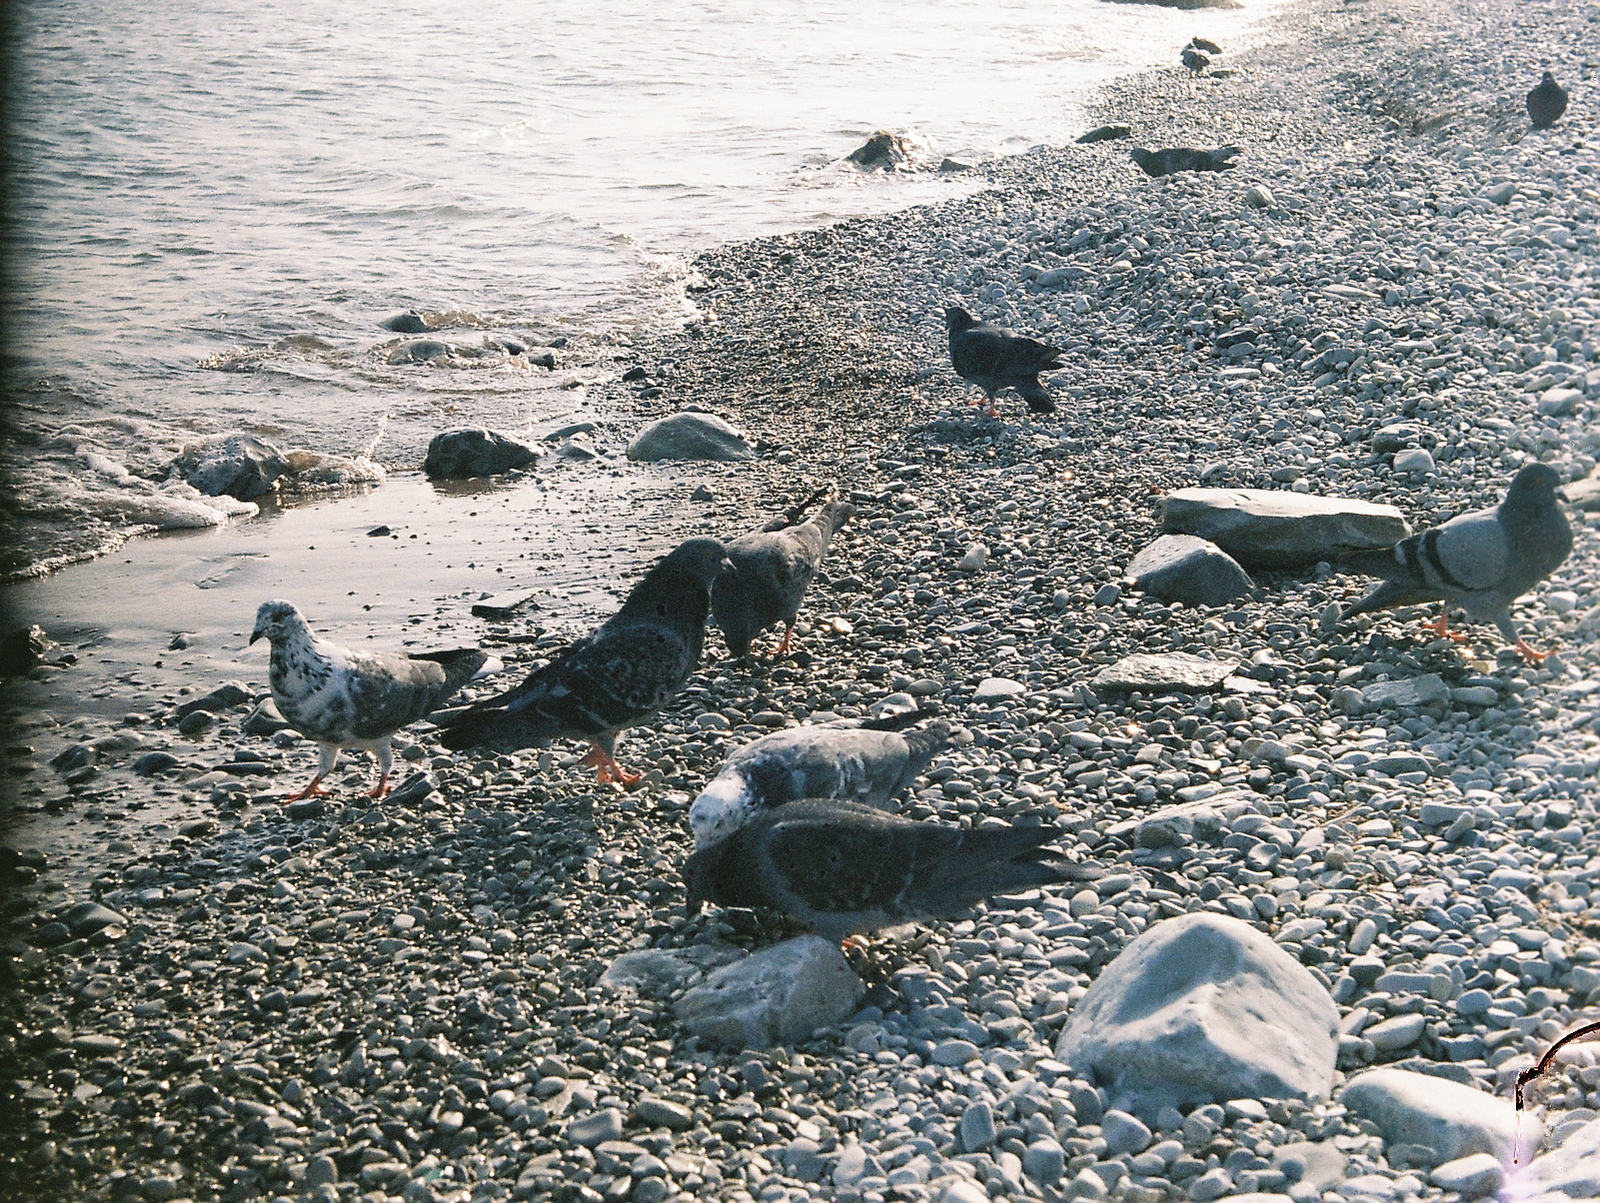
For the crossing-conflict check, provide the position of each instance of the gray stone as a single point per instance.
(265, 719)
(777, 995)
(1200, 1009)
(1413, 462)
(1270, 528)
(236, 465)
(1153, 673)
(689, 436)
(1124, 1133)
(653, 972)
(1045, 1161)
(455, 454)
(977, 1127)
(1396, 437)
(419, 350)
(590, 1130)
(1584, 494)
(954, 1052)
(991, 688)
(321, 1171)
(152, 763)
(1473, 1176)
(1318, 1163)
(223, 697)
(1448, 1118)
(1173, 825)
(663, 1113)
(1400, 1032)
(1405, 694)
(1195, 572)
(1572, 1170)
(87, 917)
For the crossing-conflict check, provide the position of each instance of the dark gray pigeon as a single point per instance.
(1183, 158)
(1480, 562)
(1196, 60)
(846, 868)
(1547, 102)
(343, 698)
(995, 359)
(770, 573)
(618, 675)
(825, 760)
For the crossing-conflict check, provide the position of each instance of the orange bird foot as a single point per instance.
(310, 791)
(607, 769)
(1532, 655)
(379, 790)
(1441, 627)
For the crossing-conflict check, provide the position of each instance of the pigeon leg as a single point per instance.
(1531, 655)
(1441, 627)
(607, 769)
(385, 763)
(326, 758)
(377, 791)
(783, 646)
(310, 791)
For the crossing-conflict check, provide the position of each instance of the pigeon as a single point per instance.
(1196, 60)
(1547, 102)
(824, 760)
(845, 868)
(614, 677)
(1481, 561)
(770, 573)
(1183, 158)
(1205, 44)
(995, 359)
(343, 698)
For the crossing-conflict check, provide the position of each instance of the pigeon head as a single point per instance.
(725, 802)
(700, 559)
(679, 587)
(1533, 487)
(277, 620)
(958, 319)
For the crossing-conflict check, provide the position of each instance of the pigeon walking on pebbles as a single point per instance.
(616, 676)
(1546, 102)
(343, 698)
(824, 760)
(1195, 59)
(846, 868)
(995, 359)
(770, 573)
(1480, 562)
(1182, 158)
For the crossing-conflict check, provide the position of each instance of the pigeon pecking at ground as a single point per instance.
(1546, 102)
(845, 868)
(824, 760)
(1481, 561)
(995, 359)
(353, 699)
(770, 573)
(614, 677)
(1195, 59)
(1182, 158)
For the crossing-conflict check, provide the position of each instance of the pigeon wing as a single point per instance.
(1468, 554)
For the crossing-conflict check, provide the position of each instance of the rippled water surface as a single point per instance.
(209, 178)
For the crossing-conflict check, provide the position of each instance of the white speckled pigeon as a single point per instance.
(1546, 102)
(995, 359)
(618, 675)
(825, 760)
(1481, 561)
(846, 868)
(343, 698)
(770, 573)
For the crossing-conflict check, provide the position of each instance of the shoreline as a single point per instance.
(234, 1072)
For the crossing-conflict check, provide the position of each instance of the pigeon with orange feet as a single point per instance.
(343, 698)
(771, 570)
(995, 359)
(1479, 562)
(617, 676)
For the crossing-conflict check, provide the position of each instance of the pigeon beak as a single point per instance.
(255, 634)
(725, 566)
(1562, 494)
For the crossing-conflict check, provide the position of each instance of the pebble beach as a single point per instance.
(1390, 298)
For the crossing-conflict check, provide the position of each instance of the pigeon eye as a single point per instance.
(661, 609)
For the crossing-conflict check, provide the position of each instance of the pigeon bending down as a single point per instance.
(770, 573)
(353, 699)
(1183, 158)
(1481, 561)
(1195, 59)
(614, 677)
(995, 359)
(846, 868)
(868, 767)
(1546, 102)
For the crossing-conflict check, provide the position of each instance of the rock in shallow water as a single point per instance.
(454, 454)
(1271, 528)
(1201, 1009)
(691, 436)
(235, 465)
(777, 995)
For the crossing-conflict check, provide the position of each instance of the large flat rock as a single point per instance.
(1447, 1119)
(1202, 1009)
(1156, 673)
(775, 996)
(1271, 528)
